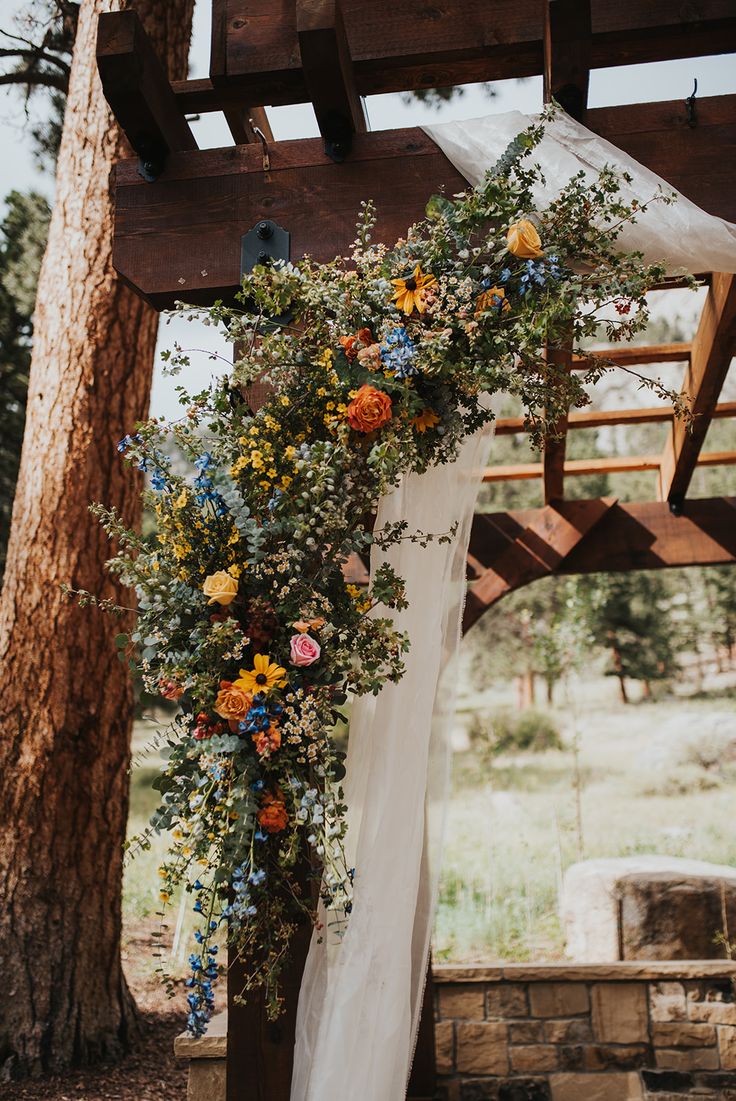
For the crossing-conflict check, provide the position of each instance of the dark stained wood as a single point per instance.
(511, 549)
(328, 74)
(179, 238)
(600, 418)
(634, 355)
(137, 88)
(536, 549)
(425, 45)
(713, 348)
(423, 1079)
(567, 54)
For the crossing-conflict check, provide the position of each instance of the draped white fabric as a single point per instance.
(361, 996)
(681, 234)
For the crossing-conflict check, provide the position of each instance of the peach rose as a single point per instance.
(273, 815)
(369, 409)
(523, 240)
(220, 587)
(170, 689)
(267, 741)
(304, 650)
(232, 702)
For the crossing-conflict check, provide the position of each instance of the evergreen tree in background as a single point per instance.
(22, 243)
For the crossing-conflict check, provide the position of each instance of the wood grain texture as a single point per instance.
(600, 418)
(621, 464)
(179, 237)
(511, 549)
(713, 348)
(428, 45)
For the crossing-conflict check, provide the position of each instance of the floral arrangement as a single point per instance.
(376, 364)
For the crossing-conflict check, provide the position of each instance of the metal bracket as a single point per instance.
(690, 109)
(266, 242)
(152, 157)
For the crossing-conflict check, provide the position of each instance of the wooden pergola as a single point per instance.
(181, 213)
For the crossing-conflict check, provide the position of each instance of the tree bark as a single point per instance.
(65, 699)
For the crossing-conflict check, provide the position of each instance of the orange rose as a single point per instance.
(523, 240)
(232, 702)
(273, 815)
(369, 409)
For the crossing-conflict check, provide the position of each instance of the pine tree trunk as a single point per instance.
(65, 701)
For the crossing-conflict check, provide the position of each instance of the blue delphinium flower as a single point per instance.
(398, 353)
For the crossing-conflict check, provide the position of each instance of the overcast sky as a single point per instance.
(632, 84)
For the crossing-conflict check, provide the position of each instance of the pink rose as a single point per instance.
(304, 650)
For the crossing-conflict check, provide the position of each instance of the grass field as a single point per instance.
(650, 777)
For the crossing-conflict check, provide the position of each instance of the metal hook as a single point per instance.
(259, 134)
(692, 118)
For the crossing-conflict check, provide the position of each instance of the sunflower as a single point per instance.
(264, 675)
(409, 293)
(426, 419)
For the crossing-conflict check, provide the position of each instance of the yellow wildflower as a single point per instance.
(264, 675)
(409, 294)
(426, 419)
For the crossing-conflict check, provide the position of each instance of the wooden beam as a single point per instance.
(567, 53)
(713, 348)
(511, 549)
(396, 47)
(614, 465)
(136, 86)
(537, 548)
(179, 238)
(634, 355)
(604, 418)
(328, 74)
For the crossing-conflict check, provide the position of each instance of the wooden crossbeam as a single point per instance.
(603, 418)
(137, 88)
(714, 345)
(179, 238)
(614, 465)
(510, 549)
(328, 74)
(536, 550)
(396, 47)
(634, 355)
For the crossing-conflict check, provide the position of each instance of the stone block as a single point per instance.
(575, 1031)
(667, 1001)
(206, 1080)
(667, 1081)
(596, 1087)
(558, 999)
(524, 1089)
(670, 909)
(527, 1032)
(591, 1057)
(504, 1000)
(478, 1090)
(464, 1001)
(620, 1013)
(682, 1034)
(695, 1058)
(714, 1013)
(534, 1058)
(727, 1046)
(444, 1041)
(481, 1048)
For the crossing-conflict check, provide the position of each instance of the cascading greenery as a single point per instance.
(246, 614)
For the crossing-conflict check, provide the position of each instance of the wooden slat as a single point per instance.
(538, 549)
(600, 418)
(400, 46)
(634, 355)
(179, 237)
(618, 465)
(713, 347)
(626, 536)
(137, 88)
(328, 74)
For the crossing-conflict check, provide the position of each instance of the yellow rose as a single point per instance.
(220, 587)
(523, 240)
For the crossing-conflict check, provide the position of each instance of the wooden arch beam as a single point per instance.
(511, 549)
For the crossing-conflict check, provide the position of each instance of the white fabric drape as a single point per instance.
(361, 997)
(681, 234)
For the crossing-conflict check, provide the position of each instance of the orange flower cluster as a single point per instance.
(273, 815)
(369, 409)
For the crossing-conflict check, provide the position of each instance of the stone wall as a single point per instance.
(606, 1032)
(626, 1031)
